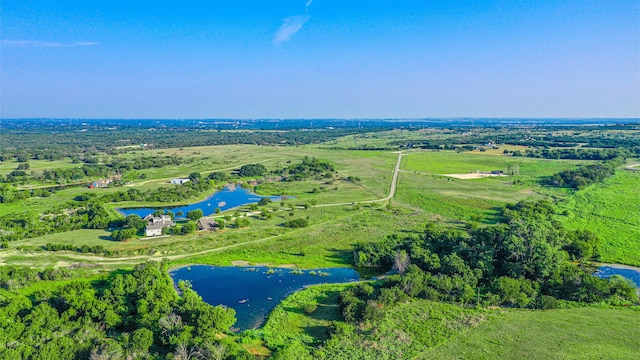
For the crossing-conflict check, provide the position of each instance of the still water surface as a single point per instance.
(223, 199)
(254, 291)
(627, 272)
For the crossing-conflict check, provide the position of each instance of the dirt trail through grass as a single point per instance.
(392, 189)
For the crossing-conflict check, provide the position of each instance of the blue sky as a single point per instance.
(319, 59)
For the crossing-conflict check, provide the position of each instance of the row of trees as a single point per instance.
(188, 190)
(92, 169)
(83, 249)
(576, 154)
(309, 167)
(9, 194)
(585, 175)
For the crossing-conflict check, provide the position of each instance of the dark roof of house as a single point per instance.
(207, 223)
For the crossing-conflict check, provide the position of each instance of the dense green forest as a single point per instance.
(521, 262)
(134, 315)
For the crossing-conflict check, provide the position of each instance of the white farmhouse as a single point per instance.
(179, 181)
(156, 224)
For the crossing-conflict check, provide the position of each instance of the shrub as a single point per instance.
(310, 308)
(296, 223)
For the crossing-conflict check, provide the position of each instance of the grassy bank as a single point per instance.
(610, 209)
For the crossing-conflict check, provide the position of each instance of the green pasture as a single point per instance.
(581, 333)
(456, 199)
(450, 162)
(422, 329)
(610, 209)
(288, 321)
(36, 165)
(327, 242)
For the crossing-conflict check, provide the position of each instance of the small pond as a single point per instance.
(224, 199)
(630, 273)
(254, 291)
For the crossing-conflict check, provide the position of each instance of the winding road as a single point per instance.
(392, 189)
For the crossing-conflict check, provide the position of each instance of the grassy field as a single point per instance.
(456, 199)
(327, 243)
(404, 331)
(449, 162)
(288, 321)
(422, 186)
(610, 209)
(429, 330)
(36, 165)
(583, 333)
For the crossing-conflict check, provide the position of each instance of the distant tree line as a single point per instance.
(62, 141)
(576, 154)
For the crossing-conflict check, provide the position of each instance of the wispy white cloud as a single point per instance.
(289, 27)
(45, 44)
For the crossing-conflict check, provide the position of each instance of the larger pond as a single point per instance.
(254, 291)
(627, 272)
(224, 199)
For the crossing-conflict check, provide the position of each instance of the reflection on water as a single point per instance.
(254, 291)
(223, 199)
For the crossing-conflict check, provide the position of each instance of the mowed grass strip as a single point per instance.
(582, 333)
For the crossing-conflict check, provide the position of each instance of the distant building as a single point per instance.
(103, 183)
(179, 181)
(155, 224)
(207, 224)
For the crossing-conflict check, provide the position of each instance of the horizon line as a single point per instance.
(332, 118)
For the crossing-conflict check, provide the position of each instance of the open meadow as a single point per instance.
(582, 333)
(424, 186)
(610, 209)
